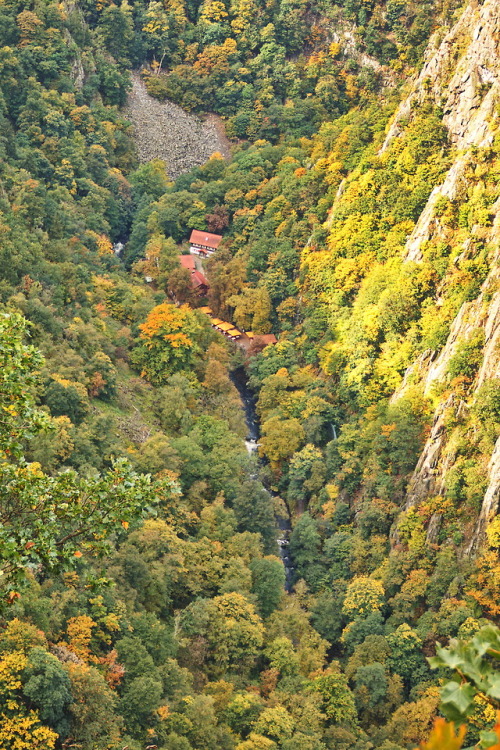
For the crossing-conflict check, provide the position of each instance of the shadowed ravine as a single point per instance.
(240, 381)
(165, 131)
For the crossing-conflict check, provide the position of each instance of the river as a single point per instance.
(240, 381)
(164, 130)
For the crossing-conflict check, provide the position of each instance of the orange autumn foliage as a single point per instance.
(486, 590)
(167, 321)
(443, 736)
(170, 338)
(114, 671)
(79, 631)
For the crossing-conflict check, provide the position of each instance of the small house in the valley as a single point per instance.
(198, 281)
(203, 244)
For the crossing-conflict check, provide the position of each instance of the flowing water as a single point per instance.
(183, 141)
(239, 379)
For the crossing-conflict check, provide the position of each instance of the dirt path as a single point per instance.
(165, 131)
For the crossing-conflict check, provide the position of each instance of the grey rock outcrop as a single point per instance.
(462, 76)
(437, 457)
(165, 131)
(491, 501)
(428, 477)
(428, 224)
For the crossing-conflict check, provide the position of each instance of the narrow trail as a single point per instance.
(165, 131)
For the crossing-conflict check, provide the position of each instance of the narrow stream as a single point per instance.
(240, 381)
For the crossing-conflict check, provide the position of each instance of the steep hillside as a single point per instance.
(463, 77)
(143, 599)
(454, 241)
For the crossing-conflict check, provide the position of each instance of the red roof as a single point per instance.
(267, 338)
(187, 261)
(205, 239)
(197, 279)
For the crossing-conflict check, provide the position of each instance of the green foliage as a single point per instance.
(282, 657)
(405, 657)
(48, 688)
(305, 475)
(254, 513)
(275, 723)
(181, 636)
(48, 521)
(18, 365)
(326, 614)
(150, 179)
(360, 629)
(242, 711)
(94, 722)
(280, 439)
(305, 543)
(68, 399)
(475, 665)
(268, 580)
(139, 700)
(467, 357)
(487, 402)
(337, 699)
(171, 340)
(371, 681)
(232, 629)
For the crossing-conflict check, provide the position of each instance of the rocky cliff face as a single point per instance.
(436, 459)
(462, 75)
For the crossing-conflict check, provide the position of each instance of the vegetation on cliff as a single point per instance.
(143, 598)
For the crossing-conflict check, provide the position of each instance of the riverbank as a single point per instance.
(283, 523)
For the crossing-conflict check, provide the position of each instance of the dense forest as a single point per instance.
(144, 602)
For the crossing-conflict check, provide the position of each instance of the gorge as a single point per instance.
(240, 381)
(144, 600)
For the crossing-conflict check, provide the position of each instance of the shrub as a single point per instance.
(467, 358)
(487, 401)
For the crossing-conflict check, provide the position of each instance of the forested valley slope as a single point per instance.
(143, 599)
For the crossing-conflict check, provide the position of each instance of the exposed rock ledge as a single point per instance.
(462, 76)
(165, 131)
(437, 457)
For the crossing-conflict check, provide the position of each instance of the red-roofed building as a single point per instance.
(187, 261)
(199, 282)
(203, 243)
(267, 338)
